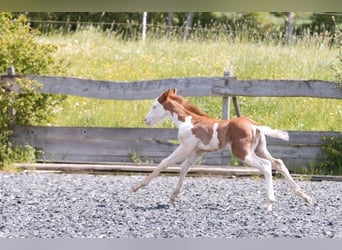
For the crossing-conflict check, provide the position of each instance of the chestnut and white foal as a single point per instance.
(198, 134)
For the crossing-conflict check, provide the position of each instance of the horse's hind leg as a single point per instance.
(280, 167)
(265, 167)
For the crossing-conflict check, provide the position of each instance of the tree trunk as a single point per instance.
(169, 22)
(188, 25)
(289, 25)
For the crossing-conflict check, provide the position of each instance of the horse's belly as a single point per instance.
(208, 147)
(212, 144)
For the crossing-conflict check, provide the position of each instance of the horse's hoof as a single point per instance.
(172, 199)
(308, 199)
(269, 207)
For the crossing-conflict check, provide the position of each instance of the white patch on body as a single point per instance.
(185, 135)
(214, 141)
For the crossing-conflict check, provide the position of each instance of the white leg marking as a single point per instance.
(265, 167)
(179, 154)
(279, 165)
(282, 169)
(189, 161)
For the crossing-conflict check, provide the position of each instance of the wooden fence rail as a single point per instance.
(192, 86)
(73, 144)
(79, 144)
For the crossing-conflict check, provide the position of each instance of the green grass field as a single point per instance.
(97, 55)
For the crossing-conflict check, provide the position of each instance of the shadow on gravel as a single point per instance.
(150, 208)
(177, 207)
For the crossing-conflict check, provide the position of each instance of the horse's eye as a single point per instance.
(154, 107)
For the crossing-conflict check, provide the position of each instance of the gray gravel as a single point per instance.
(80, 205)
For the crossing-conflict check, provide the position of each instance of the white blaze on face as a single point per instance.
(157, 113)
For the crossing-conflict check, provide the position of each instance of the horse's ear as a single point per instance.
(163, 96)
(174, 91)
(166, 94)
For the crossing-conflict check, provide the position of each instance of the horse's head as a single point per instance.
(158, 112)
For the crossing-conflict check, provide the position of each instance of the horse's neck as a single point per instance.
(179, 114)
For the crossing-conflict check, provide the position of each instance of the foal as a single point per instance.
(198, 134)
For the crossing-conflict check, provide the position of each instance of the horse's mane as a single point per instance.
(188, 106)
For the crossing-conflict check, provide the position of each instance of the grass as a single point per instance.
(97, 55)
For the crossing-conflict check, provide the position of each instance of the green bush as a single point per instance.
(28, 108)
(330, 161)
(19, 48)
(331, 156)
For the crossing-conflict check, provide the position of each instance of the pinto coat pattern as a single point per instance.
(199, 134)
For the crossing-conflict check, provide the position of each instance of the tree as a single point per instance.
(289, 25)
(169, 22)
(188, 25)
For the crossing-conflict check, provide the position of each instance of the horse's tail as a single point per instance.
(275, 133)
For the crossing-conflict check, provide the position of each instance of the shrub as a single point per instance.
(330, 161)
(19, 47)
(331, 156)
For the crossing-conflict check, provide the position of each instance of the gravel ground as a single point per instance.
(81, 205)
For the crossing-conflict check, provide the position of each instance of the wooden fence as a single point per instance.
(87, 144)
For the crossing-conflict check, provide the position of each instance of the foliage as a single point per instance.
(330, 159)
(19, 47)
(331, 22)
(27, 107)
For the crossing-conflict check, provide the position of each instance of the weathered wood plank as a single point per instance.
(156, 134)
(77, 144)
(156, 154)
(303, 138)
(192, 86)
(95, 133)
(284, 88)
(135, 90)
(294, 151)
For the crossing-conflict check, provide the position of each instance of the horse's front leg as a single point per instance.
(189, 161)
(179, 154)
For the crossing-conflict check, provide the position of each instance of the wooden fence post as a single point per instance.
(225, 116)
(226, 102)
(236, 106)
